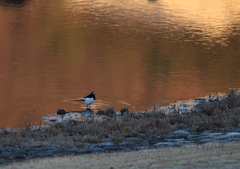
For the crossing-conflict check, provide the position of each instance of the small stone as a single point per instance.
(234, 134)
(12, 150)
(124, 110)
(126, 144)
(102, 145)
(175, 140)
(214, 134)
(163, 144)
(61, 112)
(206, 140)
(206, 132)
(193, 137)
(181, 132)
(222, 137)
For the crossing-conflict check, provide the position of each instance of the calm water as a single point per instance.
(130, 53)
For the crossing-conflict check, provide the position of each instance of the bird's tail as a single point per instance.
(74, 100)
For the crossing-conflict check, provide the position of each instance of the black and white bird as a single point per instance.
(89, 99)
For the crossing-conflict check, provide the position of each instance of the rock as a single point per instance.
(235, 134)
(206, 140)
(222, 137)
(206, 132)
(101, 145)
(181, 132)
(132, 139)
(126, 144)
(168, 136)
(175, 140)
(165, 144)
(227, 130)
(61, 112)
(13, 150)
(193, 137)
(199, 106)
(124, 110)
(190, 129)
(100, 112)
(215, 134)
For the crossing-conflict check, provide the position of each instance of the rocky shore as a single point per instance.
(182, 108)
(209, 120)
(185, 137)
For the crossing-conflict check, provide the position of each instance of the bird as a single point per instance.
(89, 99)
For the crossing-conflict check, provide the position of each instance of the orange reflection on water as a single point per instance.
(207, 19)
(128, 52)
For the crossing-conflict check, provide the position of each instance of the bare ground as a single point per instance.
(203, 156)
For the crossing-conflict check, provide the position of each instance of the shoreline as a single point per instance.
(217, 121)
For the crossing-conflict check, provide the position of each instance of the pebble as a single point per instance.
(236, 134)
(181, 132)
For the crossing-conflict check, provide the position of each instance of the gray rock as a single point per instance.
(168, 136)
(214, 134)
(181, 132)
(165, 144)
(234, 134)
(126, 143)
(175, 140)
(221, 137)
(206, 132)
(227, 130)
(189, 129)
(193, 137)
(101, 145)
(206, 140)
(132, 139)
(7, 150)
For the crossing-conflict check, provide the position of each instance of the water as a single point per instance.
(131, 53)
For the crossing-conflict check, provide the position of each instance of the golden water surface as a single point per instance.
(132, 53)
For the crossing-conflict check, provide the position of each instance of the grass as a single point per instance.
(214, 156)
(221, 114)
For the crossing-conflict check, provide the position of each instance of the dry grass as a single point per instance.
(203, 156)
(224, 114)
